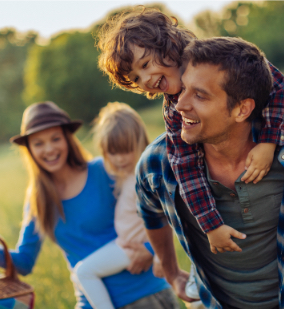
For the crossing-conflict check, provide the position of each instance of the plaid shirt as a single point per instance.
(187, 160)
(156, 187)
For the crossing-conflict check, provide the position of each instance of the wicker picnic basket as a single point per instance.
(10, 284)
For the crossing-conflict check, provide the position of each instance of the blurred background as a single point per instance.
(47, 53)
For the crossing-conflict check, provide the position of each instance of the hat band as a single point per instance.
(55, 118)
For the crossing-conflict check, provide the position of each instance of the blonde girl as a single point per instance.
(121, 136)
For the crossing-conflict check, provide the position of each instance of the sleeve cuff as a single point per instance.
(210, 221)
(271, 135)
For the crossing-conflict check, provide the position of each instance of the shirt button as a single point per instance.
(282, 157)
(232, 194)
(282, 137)
(246, 210)
(170, 193)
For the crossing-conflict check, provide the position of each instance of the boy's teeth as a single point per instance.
(157, 83)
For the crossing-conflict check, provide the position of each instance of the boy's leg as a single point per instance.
(106, 261)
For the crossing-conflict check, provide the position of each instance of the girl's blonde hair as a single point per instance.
(41, 194)
(119, 129)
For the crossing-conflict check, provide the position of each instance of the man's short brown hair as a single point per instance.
(247, 72)
(147, 28)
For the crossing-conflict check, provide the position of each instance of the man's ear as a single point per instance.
(244, 109)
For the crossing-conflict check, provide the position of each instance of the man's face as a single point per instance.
(203, 105)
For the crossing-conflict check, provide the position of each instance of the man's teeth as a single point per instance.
(156, 85)
(190, 121)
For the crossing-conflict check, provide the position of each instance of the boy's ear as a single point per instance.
(244, 109)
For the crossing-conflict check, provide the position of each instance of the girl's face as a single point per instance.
(49, 149)
(123, 162)
(153, 77)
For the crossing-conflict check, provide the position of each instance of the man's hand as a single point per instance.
(141, 258)
(178, 284)
(258, 162)
(220, 239)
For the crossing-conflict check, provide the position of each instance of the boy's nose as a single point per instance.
(145, 78)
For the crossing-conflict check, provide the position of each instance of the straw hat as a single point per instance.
(41, 116)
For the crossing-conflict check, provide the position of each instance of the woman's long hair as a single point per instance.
(42, 196)
(119, 129)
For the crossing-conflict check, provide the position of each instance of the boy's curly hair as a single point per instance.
(145, 27)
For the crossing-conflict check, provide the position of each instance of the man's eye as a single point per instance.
(199, 96)
(145, 65)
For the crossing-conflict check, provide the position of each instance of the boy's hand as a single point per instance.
(220, 239)
(258, 162)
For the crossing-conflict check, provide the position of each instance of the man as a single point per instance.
(225, 87)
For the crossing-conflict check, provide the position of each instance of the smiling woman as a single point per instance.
(71, 199)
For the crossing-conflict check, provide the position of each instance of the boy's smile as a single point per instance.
(152, 76)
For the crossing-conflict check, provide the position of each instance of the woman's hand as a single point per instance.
(141, 258)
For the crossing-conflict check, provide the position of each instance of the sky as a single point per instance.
(51, 17)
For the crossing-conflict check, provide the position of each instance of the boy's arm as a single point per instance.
(260, 158)
(273, 130)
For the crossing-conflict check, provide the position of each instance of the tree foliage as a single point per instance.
(13, 52)
(66, 72)
(258, 22)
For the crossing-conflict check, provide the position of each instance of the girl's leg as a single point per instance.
(106, 261)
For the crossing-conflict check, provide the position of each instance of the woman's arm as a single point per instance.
(27, 249)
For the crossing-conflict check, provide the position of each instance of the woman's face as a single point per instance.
(49, 149)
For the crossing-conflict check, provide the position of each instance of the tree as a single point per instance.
(13, 50)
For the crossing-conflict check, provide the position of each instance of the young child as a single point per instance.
(141, 51)
(121, 136)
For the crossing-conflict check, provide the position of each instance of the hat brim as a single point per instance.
(72, 126)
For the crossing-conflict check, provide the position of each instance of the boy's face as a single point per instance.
(153, 77)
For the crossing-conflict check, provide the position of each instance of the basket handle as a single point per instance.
(10, 271)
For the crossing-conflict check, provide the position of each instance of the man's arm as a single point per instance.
(163, 245)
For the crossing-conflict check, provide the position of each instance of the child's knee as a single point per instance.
(81, 271)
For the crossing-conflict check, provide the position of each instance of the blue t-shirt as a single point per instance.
(88, 225)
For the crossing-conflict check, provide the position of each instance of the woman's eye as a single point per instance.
(37, 144)
(136, 79)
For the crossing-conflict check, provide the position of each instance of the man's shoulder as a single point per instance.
(154, 158)
(158, 146)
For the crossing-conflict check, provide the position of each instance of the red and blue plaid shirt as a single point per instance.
(187, 163)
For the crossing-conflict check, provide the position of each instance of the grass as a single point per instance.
(50, 276)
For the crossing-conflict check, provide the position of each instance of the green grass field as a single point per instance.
(50, 276)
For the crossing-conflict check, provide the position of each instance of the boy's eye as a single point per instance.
(145, 64)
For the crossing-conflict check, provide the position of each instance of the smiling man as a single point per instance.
(226, 84)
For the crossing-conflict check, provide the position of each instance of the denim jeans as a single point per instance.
(164, 299)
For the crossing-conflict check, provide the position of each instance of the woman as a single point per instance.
(71, 201)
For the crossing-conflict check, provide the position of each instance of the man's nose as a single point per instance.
(183, 104)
